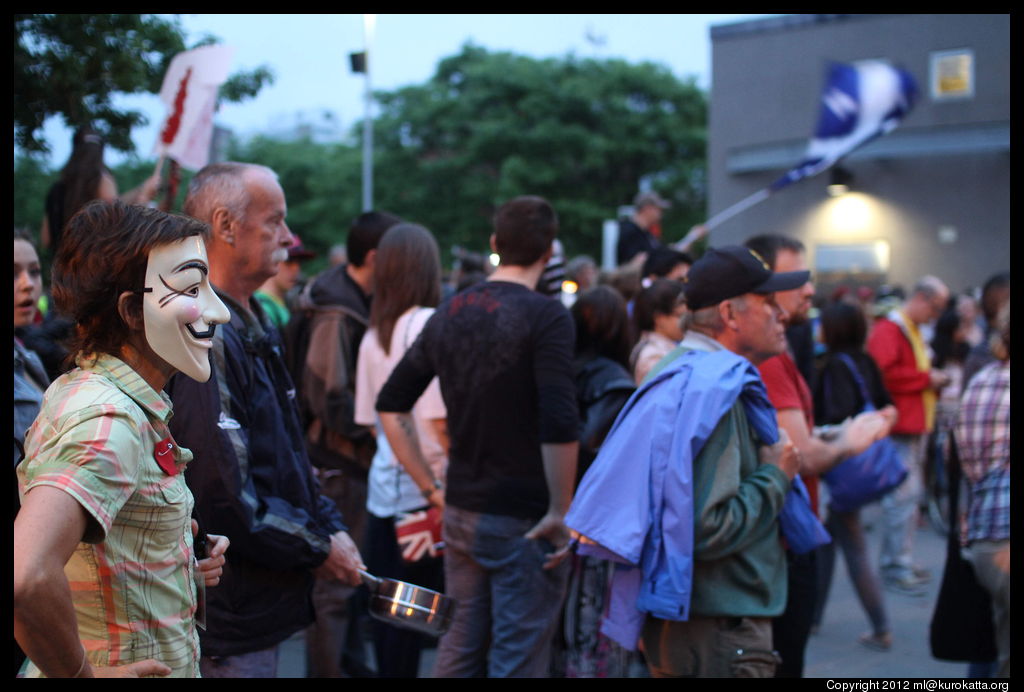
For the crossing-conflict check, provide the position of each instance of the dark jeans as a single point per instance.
(848, 532)
(791, 630)
(508, 605)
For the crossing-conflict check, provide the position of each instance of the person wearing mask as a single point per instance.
(104, 538)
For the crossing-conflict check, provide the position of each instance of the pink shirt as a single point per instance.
(390, 488)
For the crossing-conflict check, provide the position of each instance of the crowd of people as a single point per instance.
(637, 485)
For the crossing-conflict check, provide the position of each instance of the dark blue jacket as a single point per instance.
(253, 483)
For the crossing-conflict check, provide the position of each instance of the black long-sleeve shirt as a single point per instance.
(503, 354)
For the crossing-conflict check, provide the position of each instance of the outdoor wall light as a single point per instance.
(840, 182)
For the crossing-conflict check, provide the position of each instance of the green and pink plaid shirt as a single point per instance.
(102, 437)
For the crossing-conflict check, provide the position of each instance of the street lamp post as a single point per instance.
(368, 24)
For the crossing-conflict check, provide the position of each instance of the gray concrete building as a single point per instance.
(933, 196)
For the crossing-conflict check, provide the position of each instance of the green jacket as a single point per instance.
(739, 565)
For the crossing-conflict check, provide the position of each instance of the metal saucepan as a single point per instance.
(410, 606)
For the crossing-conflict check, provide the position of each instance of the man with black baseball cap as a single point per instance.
(700, 437)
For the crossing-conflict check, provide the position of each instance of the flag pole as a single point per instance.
(738, 207)
(159, 163)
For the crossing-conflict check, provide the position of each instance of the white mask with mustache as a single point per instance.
(180, 309)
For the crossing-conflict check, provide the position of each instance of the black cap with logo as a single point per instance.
(733, 270)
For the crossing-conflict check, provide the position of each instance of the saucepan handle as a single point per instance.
(370, 580)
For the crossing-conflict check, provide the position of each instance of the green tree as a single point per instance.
(71, 65)
(321, 183)
(32, 180)
(583, 133)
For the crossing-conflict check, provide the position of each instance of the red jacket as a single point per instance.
(892, 350)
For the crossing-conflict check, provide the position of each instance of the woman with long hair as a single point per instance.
(407, 288)
(83, 179)
(837, 397)
(30, 379)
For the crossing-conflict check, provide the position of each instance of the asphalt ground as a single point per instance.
(833, 652)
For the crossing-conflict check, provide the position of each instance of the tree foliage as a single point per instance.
(321, 182)
(583, 133)
(32, 180)
(72, 65)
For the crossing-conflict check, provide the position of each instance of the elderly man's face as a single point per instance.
(263, 237)
(797, 302)
(760, 322)
(923, 308)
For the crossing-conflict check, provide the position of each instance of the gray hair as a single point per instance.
(708, 320)
(930, 287)
(221, 185)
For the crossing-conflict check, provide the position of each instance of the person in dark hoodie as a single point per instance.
(322, 342)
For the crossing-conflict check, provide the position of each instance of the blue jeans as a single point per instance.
(900, 510)
(508, 606)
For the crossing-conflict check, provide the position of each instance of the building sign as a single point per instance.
(952, 74)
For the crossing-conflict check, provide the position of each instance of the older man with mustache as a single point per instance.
(252, 477)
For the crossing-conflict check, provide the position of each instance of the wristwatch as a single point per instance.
(427, 492)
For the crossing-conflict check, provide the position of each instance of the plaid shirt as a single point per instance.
(100, 437)
(983, 440)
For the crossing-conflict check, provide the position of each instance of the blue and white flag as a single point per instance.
(861, 101)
